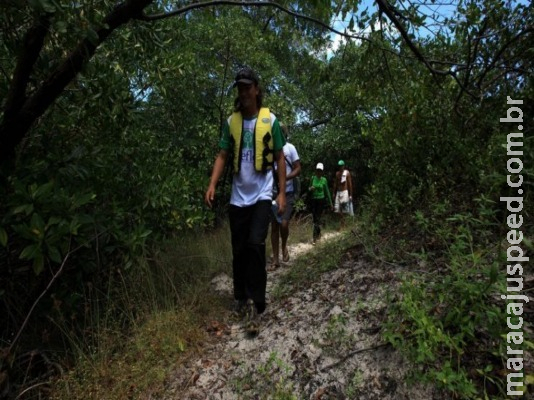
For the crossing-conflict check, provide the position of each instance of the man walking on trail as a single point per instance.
(253, 141)
(342, 192)
(281, 229)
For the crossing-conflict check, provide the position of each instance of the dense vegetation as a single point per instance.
(109, 120)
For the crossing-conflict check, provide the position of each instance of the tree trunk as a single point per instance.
(21, 112)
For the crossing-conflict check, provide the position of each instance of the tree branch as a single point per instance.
(21, 112)
(491, 65)
(314, 124)
(194, 6)
(29, 53)
(14, 126)
(385, 7)
(56, 275)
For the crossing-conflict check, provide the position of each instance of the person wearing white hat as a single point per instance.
(320, 193)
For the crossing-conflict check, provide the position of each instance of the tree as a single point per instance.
(49, 28)
(30, 90)
(113, 114)
(119, 160)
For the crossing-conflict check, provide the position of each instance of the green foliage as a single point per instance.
(271, 379)
(323, 258)
(338, 340)
(154, 320)
(45, 242)
(134, 366)
(445, 322)
(355, 384)
(120, 161)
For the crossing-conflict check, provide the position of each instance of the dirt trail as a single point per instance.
(321, 343)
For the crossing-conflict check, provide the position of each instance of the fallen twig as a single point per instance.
(352, 353)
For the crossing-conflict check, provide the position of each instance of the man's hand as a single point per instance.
(218, 168)
(209, 196)
(281, 201)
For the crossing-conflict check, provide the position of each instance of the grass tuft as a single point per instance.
(156, 321)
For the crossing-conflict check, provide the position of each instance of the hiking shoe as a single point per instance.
(252, 326)
(238, 310)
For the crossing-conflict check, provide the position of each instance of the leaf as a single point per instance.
(29, 252)
(92, 36)
(47, 6)
(38, 264)
(73, 227)
(61, 26)
(145, 233)
(54, 221)
(25, 208)
(83, 199)
(54, 254)
(38, 224)
(3, 237)
(43, 190)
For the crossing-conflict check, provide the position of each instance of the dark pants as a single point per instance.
(317, 212)
(249, 227)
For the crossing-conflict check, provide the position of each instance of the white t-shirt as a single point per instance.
(290, 154)
(250, 186)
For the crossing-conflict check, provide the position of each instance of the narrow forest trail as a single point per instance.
(321, 342)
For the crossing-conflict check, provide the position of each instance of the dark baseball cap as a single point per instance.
(247, 76)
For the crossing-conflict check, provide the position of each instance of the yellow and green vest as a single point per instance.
(263, 140)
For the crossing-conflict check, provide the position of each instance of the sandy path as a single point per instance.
(322, 342)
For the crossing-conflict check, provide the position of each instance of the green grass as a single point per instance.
(157, 322)
(272, 379)
(323, 257)
(158, 314)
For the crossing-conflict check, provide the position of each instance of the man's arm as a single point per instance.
(295, 171)
(334, 189)
(295, 162)
(349, 183)
(281, 171)
(218, 169)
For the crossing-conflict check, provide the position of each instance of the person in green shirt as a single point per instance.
(320, 194)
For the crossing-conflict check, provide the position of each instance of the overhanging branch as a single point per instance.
(386, 8)
(29, 53)
(23, 112)
(190, 7)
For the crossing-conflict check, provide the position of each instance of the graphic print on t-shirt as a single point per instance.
(247, 153)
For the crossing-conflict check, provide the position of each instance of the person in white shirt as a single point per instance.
(281, 229)
(251, 197)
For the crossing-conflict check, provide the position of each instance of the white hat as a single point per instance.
(320, 166)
